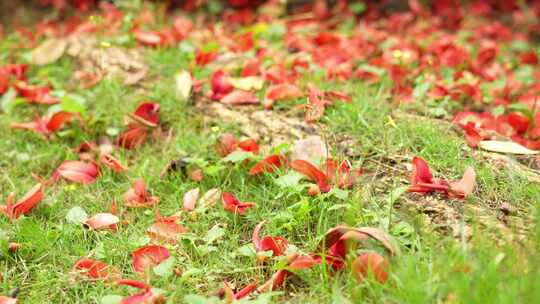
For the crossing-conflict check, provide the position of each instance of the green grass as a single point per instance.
(434, 267)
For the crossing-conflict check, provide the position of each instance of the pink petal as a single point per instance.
(421, 172)
(111, 162)
(239, 97)
(165, 230)
(102, 220)
(95, 269)
(190, 199)
(465, 186)
(78, 171)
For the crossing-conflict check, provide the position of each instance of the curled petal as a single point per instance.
(304, 262)
(95, 270)
(269, 164)
(132, 138)
(56, 121)
(311, 172)
(28, 202)
(111, 162)
(232, 204)
(421, 172)
(149, 256)
(370, 262)
(147, 114)
(77, 171)
(102, 220)
(277, 245)
(190, 199)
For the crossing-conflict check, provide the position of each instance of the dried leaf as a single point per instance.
(210, 198)
(184, 83)
(505, 147)
(190, 199)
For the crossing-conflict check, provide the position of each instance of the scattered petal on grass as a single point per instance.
(268, 165)
(165, 230)
(226, 145)
(151, 38)
(249, 145)
(210, 198)
(276, 244)
(111, 162)
(45, 125)
(95, 270)
(232, 204)
(24, 205)
(147, 114)
(465, 186)
(138, 196)
(221, 85)
(149, 256)
(190, 199)
(102, 220)
(370, 262)
(505, 147)
(132, 138)
(311, 172)
(7, 300)
(77, 171)
(147, 296)
(35, 94)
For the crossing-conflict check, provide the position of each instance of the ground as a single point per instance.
(480, 249)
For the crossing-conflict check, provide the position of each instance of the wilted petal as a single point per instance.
(282, 91)
(149, 256)
(111, 162)
(310, 148)
(102, 220)
(210, 197)
(221, 85)
(190, 199)
(138, 197)
(151, 38)
(226, 145)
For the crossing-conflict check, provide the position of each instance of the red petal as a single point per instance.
(148, 297)
(57, 120)
(190, 199)
(232, 204)
(149, 256)
(256, 236)
(78, 171)
(269, 164)
(239, 97)
(35, 94)
(338, 95)
(465, 186)
(102, 220)
(518, 121)
(312, 173)
(165, 230)
(221, 85)
(275, 281)
(95, 269)
(39, 125)
(133, 283)
(111, 162)
(132, 138)
(245, 291)
(26, 203)
(278, 245)
(147, 113)
(249, 145)
(421, 172)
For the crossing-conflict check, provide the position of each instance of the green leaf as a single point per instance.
(357, 8)
(238, 156)
(74, 104)
(247, 250)
(111, 299)
(197, 299)
(339, 193)
(76, 215)
(421, 90)
(213, 234)
(165, 269)
(290, 179)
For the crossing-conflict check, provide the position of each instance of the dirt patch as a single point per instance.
(104, 60)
